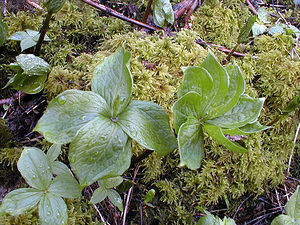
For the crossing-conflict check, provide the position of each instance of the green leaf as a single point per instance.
(245, 31)
(18, 36)
(34, 167)
(33, 65)
(228, 221)
(27, 43)
(65, 185)
(220, 80)
(112, 80)
(3, 32)
(245, 111)
(115, 198)
(209, 220)
(218, 136)
(188, 105)
(263, 15)
(68, 112)
(148, 124)
(163, 13)
(110, 182)
(20, 200)
(149, 195)
(292, 207)
(292, 106)
(100, 149)
(258, 29)
(53, 6)
(235, 90)
(59, 168)
(283, 220)
(99, 195)
(247, 129)
(191, 144)
(53, 152)
(196, 79)
(53, 210)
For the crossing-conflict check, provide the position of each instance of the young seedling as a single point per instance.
(100, 124)
(212, 99)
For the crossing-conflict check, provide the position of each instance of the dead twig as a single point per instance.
(189, 13)
(251, 7)
(118, 15)
(12, 99)
(35, 5)
(238, 209)
(147, 12)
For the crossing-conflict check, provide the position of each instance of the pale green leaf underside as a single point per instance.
(245, 111)
(218, 136)
(148, 124)
(163, 13)
(191, 144)
(34, 167)
(99, 195)
(112, 80)
(65, 185)
(283, 220)
(292, 207)
(188, 105)
(68, 112)
(98, 150)
(52, 210)
(20, 200)
(115, 198)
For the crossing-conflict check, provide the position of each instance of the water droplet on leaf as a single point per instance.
(62, 100)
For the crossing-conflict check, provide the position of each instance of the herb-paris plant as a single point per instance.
(211, 99)
(101, 123)
(46, 191)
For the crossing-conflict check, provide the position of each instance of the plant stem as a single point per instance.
(43, 32)
(147, 12)
(232, 51)
(114, 13)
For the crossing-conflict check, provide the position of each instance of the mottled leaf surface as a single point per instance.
(148, 124)
(163, 13)
(283, 220)
(33, 65)
(59, 168)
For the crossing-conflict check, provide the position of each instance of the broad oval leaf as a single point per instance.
(163, 13)
(220, 80)
(245, 111)
(188, 105)
(53, 152)
(292, 207)
(115, 198)
(283, 220)
(59, 168)
(3, 32)
(218, 136)
(53, 6)
(235, 90)
(99, 195)
(98, 150)
(33, 65)
(148, 124)
(191, 144)
(113, 81)
(20, 200)
(53, 210)
(65, 185)
(68, 112)
(34, 167)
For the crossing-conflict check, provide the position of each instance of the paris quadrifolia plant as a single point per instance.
(211, 99)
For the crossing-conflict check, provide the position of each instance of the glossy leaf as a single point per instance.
(292, 207)
(283, 220)
(220, 80)
(163, 13)
(34, 167)
(98, 150)
(59, 168)
(53, 152)
(149, 195)
(53, 6)
(99, 195)
(245, 111)
(68, 112)
(247, 129)
(188, 105)
(191, 144)
(209, 220)
(245, 31)
(65, 185)
(33, 65)
(148, 124)
(235, 90)
(218, 136)
(20, 200)
(3, 32)
(110, 182)
(112, 80)
(52, 210)
(115, 198)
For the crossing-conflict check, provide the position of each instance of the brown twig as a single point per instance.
(147, 12)
(252, 7)
(118, 15)
(33, 4)
(238, 209)
(189, 13)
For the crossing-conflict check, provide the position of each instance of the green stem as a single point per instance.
(43, 32)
